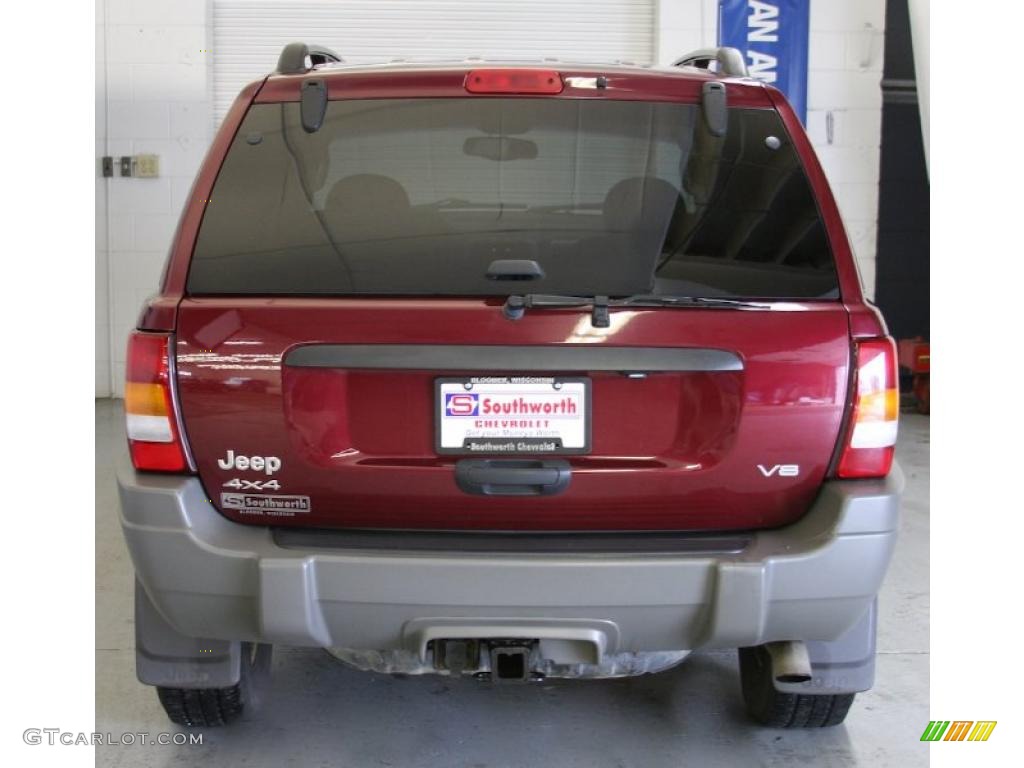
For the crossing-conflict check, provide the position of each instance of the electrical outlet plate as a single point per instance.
(147, 166)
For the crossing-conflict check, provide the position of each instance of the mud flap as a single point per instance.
(165, 657)
(844, 665)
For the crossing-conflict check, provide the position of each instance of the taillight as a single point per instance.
(513, 81)
(153, 435)
(871, 437)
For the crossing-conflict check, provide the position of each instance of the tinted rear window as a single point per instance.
(420, 196)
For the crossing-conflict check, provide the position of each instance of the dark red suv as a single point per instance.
(512, 371)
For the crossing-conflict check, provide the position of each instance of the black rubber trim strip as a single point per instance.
(847, 423)
(507, 542)
(566, 357)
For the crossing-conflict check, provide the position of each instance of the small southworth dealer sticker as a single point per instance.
(260, 504)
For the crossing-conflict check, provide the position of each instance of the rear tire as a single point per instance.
(202, 707)
(775, 709)
(212, 707)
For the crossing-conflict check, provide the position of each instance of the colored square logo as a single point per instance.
(461, 404)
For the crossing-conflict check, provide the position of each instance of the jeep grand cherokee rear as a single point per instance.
(514, 372)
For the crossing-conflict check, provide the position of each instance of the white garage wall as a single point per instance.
(159, 78)
(157, 74)
(921, 32)
(847, 41)
(102, 272)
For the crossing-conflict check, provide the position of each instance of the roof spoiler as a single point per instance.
(292, 60)
(730, 60)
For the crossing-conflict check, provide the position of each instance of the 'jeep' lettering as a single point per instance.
(266, 464)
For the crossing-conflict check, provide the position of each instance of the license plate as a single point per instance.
(513, 415)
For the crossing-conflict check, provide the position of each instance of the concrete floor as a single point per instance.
(319, 713)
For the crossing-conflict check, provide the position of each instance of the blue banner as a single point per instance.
(773, 39)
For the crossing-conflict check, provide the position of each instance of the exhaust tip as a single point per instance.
(793, 678)
(790, 661)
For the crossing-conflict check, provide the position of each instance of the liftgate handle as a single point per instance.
(513, 477)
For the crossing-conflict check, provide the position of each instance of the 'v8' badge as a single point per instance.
(781, 470)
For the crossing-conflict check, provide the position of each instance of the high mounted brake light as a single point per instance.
(871, 437)
(514, 81)
(154, 438)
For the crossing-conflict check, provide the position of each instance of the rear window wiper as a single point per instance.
(709, 302)
(515, 306)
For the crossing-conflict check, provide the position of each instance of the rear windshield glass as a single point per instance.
(422, 196)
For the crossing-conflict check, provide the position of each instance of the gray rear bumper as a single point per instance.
(208, 577)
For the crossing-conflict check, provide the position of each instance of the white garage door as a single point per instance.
(249, 34)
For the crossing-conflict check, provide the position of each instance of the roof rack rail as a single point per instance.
(730, 60)
(292, 60)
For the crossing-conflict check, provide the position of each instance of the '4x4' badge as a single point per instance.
(252, 485)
